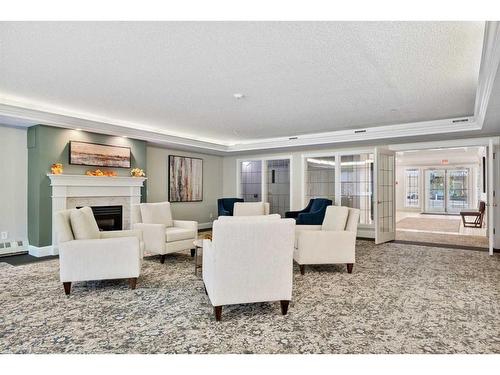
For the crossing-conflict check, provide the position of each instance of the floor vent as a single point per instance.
(13, 247)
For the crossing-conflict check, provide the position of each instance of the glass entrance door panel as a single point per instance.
(458, 190)
(435, 190)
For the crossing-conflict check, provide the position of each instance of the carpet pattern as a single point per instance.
(399, 299)
(430, 224)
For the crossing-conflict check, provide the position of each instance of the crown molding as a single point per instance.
(490, 61)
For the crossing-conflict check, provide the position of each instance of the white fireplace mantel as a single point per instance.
(106, 190)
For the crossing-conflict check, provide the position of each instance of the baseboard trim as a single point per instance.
(43, 251)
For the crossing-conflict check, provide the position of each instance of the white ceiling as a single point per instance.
(458, 155)
(297, 77)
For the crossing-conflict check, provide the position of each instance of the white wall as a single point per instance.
(14, 183)
(157, 172)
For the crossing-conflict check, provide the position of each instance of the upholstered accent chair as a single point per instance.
(249, 260)
(251, 208)
(86, 254)
(226, 205)
(163, 235)
(332, 242)
(313, 214)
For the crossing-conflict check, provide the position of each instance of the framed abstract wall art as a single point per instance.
(185, 179)
(98, 155)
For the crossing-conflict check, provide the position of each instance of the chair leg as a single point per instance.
(132, 282)
(192, 253)
(284, 307)
(218, 313)
(67, 288)
(162, 258)
(302, 269)
(349, 267)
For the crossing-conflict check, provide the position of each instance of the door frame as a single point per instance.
(381, 237)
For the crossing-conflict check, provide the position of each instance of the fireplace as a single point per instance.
(108, 217)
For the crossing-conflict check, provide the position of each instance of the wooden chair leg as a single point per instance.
(218, 313)
(132, 282)
(192, 253)
(302, 269)
(349, 267)
(162, 258)
(284, 307)
(67, 288)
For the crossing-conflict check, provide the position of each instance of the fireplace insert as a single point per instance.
(108, 217)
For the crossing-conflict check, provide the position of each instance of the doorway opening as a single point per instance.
(433, 188)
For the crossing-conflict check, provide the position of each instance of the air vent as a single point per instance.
(359, 131)
(292, 138)
(461, 120)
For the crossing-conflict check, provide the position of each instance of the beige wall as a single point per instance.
(13, 188)
(157, 172)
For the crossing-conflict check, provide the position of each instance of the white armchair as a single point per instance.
(85, 253)
(249, 260)
(251, 208)
(162, 235)
(333, 242)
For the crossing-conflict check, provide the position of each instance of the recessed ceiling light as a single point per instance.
(78, 129)
(238, 96)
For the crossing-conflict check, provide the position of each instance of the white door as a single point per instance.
(385, 192)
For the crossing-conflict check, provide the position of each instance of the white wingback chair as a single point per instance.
(249, 260)
(86, 254)
(333, 242)
(162, 235)
(251, 208)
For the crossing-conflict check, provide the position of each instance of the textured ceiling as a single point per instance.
(297, 77)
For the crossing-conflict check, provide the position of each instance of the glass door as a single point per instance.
(435, 190)
(458, 190)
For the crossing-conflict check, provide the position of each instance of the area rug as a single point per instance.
(429, 224)
(399, 299)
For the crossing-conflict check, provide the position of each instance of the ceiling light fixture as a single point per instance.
(238, 96)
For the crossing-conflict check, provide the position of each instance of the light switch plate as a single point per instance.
(4, 235)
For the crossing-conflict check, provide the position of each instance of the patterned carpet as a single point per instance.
(399, 299)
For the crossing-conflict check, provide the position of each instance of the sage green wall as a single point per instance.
(48, 145)
(157, 172)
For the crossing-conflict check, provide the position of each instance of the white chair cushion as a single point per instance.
(83, 224)
(63, 224)
(352, 220)
(335, 218)
(179, 234)
(157, 213)
(242, 218)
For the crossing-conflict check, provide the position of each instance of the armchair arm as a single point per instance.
(110, 258)
(292, 214)
(186, 224)
(154, 236)
(326, 247)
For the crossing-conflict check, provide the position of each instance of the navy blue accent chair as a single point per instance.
(226, 205)
(313, 214)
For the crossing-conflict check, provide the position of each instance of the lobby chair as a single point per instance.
(251, 208)
(162, 235)
(87, 254)
(332, 242)
(474, 219)
(226, 205)
(313, 214)
(249, 260)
